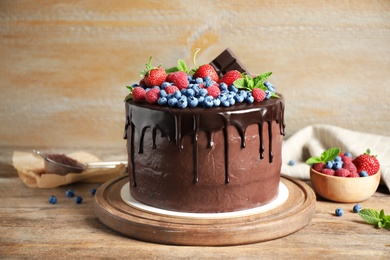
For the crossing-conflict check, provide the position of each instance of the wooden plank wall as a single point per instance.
(64, 64)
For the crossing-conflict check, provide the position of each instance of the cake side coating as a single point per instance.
(205, 160)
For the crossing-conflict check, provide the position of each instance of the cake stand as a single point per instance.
(116, 209)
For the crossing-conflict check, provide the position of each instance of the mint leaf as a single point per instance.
(240, 83)
(260, 79)
(181, 65)
(170, 70)
(249, 81)
(371, 216)
(327, 155)
(330, 154)
(313, 160)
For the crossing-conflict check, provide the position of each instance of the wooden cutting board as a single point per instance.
(295, 213)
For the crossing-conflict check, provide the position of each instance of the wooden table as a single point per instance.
(31, 227)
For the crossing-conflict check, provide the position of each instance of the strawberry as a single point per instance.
(138, 94)
(367, 162)
(152, 95)
(206, 70)
(214, 90)
(171, 89)
(230, 77)
(153, 76)
(179, 79)
(258, 94)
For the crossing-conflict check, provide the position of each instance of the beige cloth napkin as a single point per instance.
(31, 170)
(313, 140)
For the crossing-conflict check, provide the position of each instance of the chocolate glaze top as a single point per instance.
(175, 123)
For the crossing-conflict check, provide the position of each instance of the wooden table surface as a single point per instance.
(31, 227)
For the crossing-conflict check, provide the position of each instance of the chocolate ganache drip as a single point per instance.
(174, 124)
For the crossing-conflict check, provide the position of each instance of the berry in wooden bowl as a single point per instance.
(335, 176)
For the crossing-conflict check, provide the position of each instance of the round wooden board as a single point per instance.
(295, 213)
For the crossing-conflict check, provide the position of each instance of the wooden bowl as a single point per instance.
(344, 189)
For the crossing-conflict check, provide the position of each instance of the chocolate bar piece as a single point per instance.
(227, 61)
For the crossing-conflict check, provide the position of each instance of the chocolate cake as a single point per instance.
(205, 159)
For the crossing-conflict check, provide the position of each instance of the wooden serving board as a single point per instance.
(295, 213)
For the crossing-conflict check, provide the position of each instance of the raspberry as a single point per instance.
(179, 79)
(138, 94)
(258, 94)
(171, 89)
(350, 167)
(346, 159)
(327, 171)
(342, 172)
(152, 95)
(353, 175)
(318, 166)
(213, 91)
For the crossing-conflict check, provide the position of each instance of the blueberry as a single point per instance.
(52, 199)
(269, 86)
(223, 86)
(165, 84)
(233, 88)
(363, 174)
(348, 154)
(267, 94)
(199, 80)
(208, 101)
(250, 99)
(291, 162)
(232, 101)
(192, 101)
(339, 212)
(182, 102)
(162, 101)
(329, 164)
(337, 159)
(357, 208)
(172, 101)
(337, 165)
(203, 92)
(239, 98)
(69, 193)
(177, 94)
(190, 93)
(207, 79)
(163, 93)
(78, 199)
(92, 191)
(225, 103)
(216, 102)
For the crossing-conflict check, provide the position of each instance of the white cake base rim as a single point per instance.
(279, 200)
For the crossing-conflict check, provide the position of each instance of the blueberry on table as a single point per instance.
(78, 199)
(52, 199)
(357, 208)
(339, 212)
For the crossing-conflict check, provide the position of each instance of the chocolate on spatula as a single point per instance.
(227, 61)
